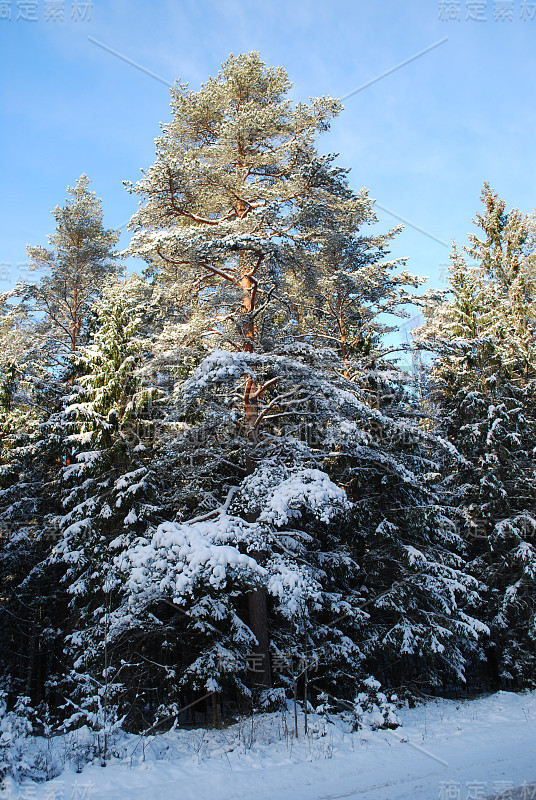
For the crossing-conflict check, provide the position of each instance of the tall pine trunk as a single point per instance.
(257, 599)
(258, 622)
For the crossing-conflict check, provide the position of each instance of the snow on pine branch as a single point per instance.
(280, 495)
(181, 557)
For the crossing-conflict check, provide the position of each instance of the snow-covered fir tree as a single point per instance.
(39, 331)
(108, 498)
(28, 465)
(482, 393)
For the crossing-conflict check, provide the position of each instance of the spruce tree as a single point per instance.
(38, 335)
(482, 392)
(28, 465)
(108, 500)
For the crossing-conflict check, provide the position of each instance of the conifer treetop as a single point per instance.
(232, 147)
(78, 263)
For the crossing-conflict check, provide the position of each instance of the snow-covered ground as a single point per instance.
(445, 750)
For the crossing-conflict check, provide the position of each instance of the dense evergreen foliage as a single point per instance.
(482, 387)
(217, 485)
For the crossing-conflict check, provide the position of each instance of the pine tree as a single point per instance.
(235, 171)
(78, 264)
(346, 294)
(253, 238)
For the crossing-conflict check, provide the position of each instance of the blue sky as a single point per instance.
(422, 139)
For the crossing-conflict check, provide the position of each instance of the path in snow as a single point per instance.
(445, 750)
